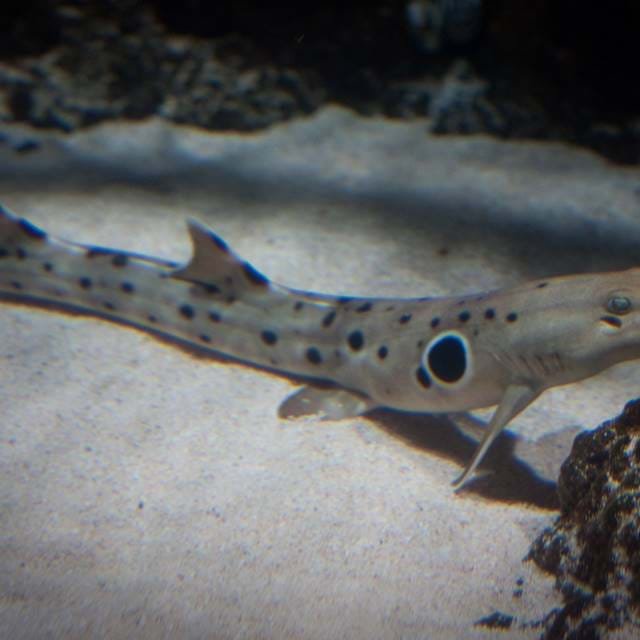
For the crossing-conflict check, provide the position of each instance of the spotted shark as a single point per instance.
(435, 355)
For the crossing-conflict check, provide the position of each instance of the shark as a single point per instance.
(448, 355)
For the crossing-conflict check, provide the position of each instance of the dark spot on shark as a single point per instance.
(363, 308)
(327, 321)
(214, 316)
(120, 260)
(298, 306)
(47, 266)
(447, 358)
(151, 318)
(512, 317)
(211, 288)
(21, 253)
(3, 252)
(254, 276)
(187, 311)
(423, 377)
(314, 356)
(464, 316)
(541, 285)
(16, 285)
(85, 283)
(269, 337)
(356, 340)
(383, 352)
(490, 314)
(127, 287)
(31, 230)
(108, 305)
(99, 252)
(405, 318)
(205, 338)
(435, 322)
(230, 299)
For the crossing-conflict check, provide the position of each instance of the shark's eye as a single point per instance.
(619, 305)
(446, 357)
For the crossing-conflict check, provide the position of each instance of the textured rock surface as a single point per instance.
(594, 547)
(523, 69)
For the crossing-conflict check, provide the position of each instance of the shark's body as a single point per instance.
(430, 355)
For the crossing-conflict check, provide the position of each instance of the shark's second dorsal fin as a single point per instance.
(217, 268)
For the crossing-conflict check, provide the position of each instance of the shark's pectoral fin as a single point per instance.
(516, 398)
(330, 403)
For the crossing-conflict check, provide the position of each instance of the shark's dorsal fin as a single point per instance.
(216, 267)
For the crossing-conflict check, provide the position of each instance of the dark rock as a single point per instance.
(593, 548)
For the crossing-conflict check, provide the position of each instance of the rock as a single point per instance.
(594, 546)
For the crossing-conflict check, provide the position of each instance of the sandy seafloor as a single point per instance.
(147, 492)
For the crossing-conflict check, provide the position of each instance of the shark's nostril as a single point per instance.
(611, 321)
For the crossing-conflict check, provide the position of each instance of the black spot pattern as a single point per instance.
(313, 355)
(187, 311)
(447, 359)
(211, 288)
(423, 377)
(151, 318)
(327, 321)
(205, 338)
(16, 285)
(85, 283)
(214, 316)
(127, 287)
(465, 316)
(435, 322)
(3, 252)
(120, 260)
(405, 318)
(108, 305)
(48, 267)
(298, 305)
(363, 308)
(356, 340)
(254, 276)
(490, 314)
(95, 252)
(269, 337)
(512, 317)
(383, 352)
(31, 230)
(21, 253)
(542, 285)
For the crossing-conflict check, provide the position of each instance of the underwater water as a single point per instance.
(150, 489)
